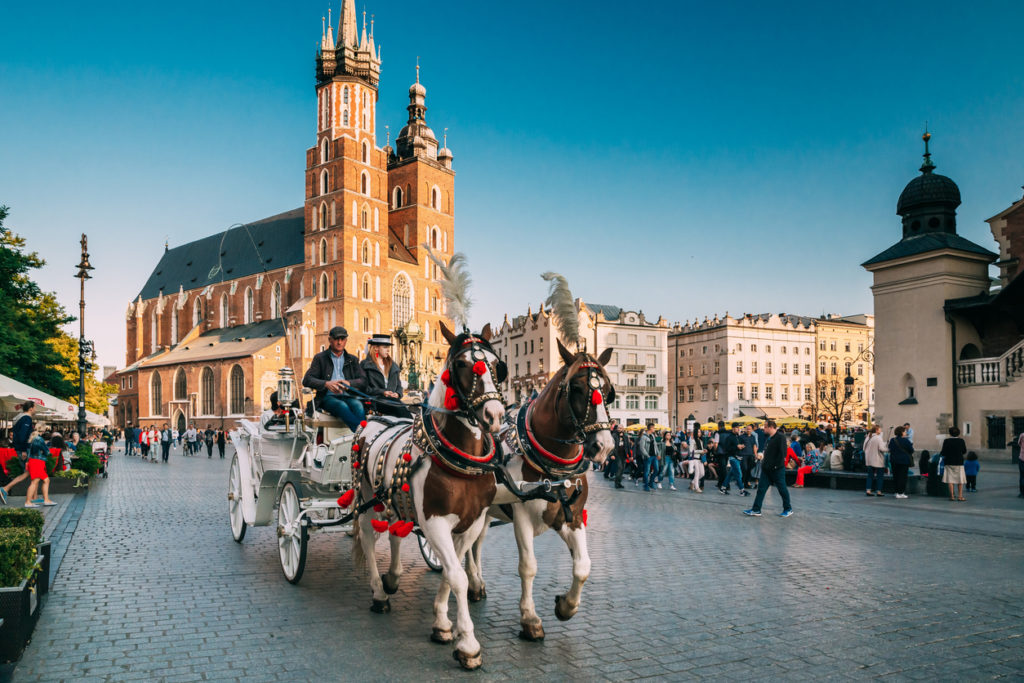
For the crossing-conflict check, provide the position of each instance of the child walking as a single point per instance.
(971, 469)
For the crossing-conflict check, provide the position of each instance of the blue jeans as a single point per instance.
(876, 475)
(651, 471)
(670, 468)
(346, 408)
(735, 472)
(776, 478)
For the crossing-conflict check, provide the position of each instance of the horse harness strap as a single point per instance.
(545, 463)
(594, 383)
(428, 438)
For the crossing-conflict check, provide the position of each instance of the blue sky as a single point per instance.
(682, 158)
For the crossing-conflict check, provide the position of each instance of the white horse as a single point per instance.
(547, 439)
(434, 473)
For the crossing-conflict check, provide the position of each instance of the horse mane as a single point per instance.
(563, 307)
(455, 286)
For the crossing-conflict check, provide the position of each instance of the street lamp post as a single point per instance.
(84, 345)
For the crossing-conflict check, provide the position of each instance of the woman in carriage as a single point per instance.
(383, 380)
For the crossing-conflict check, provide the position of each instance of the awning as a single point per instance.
(753, 411)
(766, 413)
(776, 413)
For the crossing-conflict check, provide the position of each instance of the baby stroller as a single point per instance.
(99, 449)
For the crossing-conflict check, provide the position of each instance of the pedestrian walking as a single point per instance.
(144, 444)
(773, 472)
(874, 460)
(36, 468)
(729, 447)
(668, 460)
(645, 452)
(901, 457)
(129, 440)
(748, 454)
(176, 437)
(191, 440)
(165, 442)
(221, 442)
(953, 450)
(208, 435)
(21, 437)
(971, 469)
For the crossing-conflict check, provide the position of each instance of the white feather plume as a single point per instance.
(563, 308)
(455, 286)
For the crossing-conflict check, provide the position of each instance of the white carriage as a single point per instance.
(289, 470)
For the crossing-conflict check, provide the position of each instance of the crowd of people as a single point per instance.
(154, 444)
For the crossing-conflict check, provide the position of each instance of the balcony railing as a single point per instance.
(623, 389)
(633, 368)
(979, 371)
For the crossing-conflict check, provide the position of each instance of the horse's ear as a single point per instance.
(485, 333)
(567, 356)
(605, 356)
(447, 334)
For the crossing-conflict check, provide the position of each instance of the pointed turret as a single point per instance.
(329, 38)
(362, 38)
(347, 30)
(416, 139)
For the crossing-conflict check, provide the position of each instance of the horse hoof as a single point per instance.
(562, 609)
(381, 606)
(477, 595)
(532, 632)
(442, 636)
(390, 585)
(468, 662)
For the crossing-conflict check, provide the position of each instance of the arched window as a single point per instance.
(324, 181)
(364, 183)
(224, 317)
(364, 218)
(206, 389)
(250, 306)
(275, 300)
(366, 287)
(323, 217)
(174, 324)
(156, 399)
(365, 253)
(323, 151)
(323, 251)
(433, 238)
(323, 286)
(344, 117)
(433, 199)
(180, 385)
(152, 332)
(401, 301)
(398, 197)
(366, 152)
(344, 95)
(197, 311)
(236, 390)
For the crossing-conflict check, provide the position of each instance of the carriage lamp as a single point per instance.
(284, 386)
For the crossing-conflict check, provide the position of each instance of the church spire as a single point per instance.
(927, 166)
(347, 31)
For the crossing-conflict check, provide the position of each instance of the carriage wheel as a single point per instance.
(235, 501)
(427, 551)
(292, 535)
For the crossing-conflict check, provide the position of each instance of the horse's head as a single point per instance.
(470, 379)
(584, 390)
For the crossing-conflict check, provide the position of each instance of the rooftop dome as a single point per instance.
(928, 189)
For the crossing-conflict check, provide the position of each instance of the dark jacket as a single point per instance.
(901, 451)
(728, 445)
(376, 385)
(322, 367)
(22, 430)
(953, 450)
(775, 453)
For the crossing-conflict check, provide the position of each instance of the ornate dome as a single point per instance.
(928, 189)
(417, 90)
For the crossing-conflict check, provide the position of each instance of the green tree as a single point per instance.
(29, 318)
(97, 392)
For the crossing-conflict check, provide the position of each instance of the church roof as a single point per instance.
(933, 241)
(226, 342)
(231, 254)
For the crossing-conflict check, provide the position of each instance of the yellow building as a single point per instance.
(845, 364)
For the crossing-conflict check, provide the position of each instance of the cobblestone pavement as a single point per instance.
(683, 586)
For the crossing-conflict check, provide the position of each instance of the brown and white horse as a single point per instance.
(435, 473)
(549, 439)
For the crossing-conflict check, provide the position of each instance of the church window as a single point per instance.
(323, 217)
(275, 301)
(174, 325)
(323, 286)
(344, 117)
(323, 151)
(197, 311)
(152, 333)
(344, 95)
(155, 395)
(364, 183)
(365, 253)
(250, 306)
(364, 218)
(366, 152)
(433, 238)
(366, 287)
(323, 251)
(206, 392)
(401, 301)
(236, 387)
(224, 318)
(398, 197)
(334, 288)
(324, 181)
(180, 385)
(433, 199)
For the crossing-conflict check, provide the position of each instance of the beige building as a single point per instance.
(845, 366)
(638, 367)
(950, 345)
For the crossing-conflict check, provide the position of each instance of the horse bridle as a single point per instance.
(596, 378)
(468, 403)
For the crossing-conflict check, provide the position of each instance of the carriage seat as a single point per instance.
(327, 420)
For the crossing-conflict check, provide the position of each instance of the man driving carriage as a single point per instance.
(383, 380)
(332, 372)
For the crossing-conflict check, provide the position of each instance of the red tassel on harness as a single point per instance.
(379, 507)
(596, 398)
(345, 499)
(584, 516)
(363, 423)
(401, 529)
(479, 368)
(451, 401)
(355, 448)
(379, 525)
(407, 457)
(446, 378)
(355, 464)
(405, 487)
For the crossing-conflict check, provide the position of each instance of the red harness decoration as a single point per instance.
(448, 444)
(547, 454)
